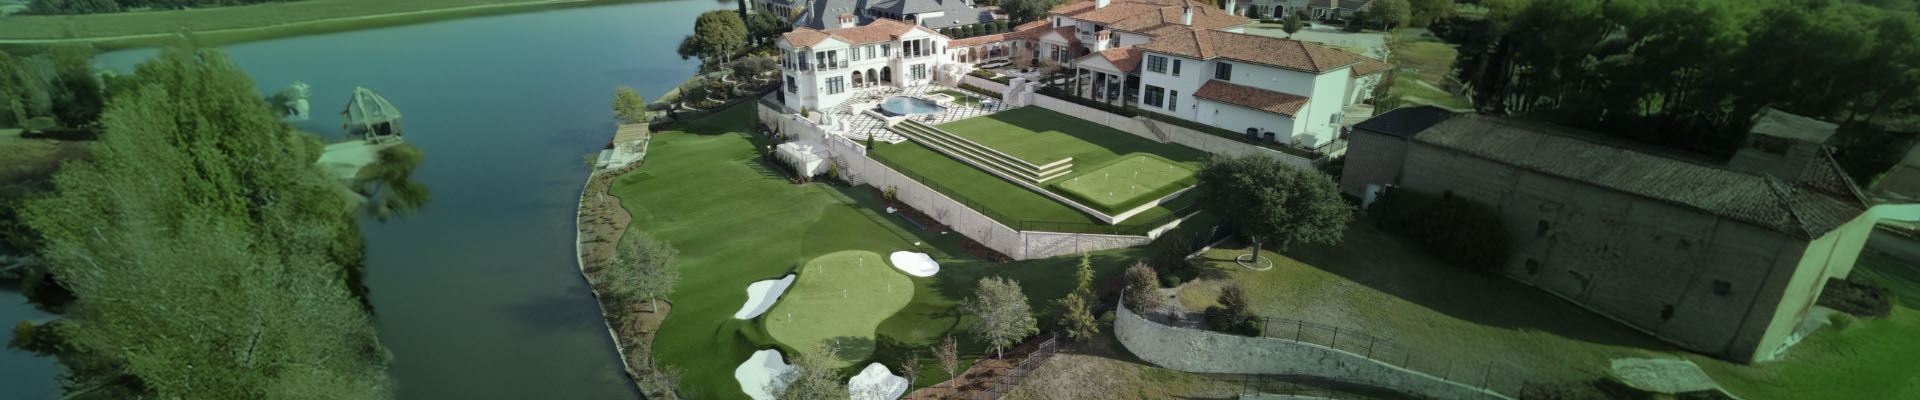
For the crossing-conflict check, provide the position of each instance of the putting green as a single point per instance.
(1126, 183)
(839, 299)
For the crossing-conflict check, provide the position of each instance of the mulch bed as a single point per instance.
(974, 380)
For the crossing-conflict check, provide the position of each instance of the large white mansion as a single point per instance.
(1173, 57)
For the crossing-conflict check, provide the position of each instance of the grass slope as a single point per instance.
(1041, 136)
(757, 226)
(1000, 199)
(838, 300)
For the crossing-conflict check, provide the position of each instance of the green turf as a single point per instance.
(837, 300)
(1041, 136)
(1127, 183)
(758, 226)
(1002, 200)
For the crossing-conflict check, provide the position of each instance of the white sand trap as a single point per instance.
(916, 264)
(761, 295)
(759, 371)
(876, 383)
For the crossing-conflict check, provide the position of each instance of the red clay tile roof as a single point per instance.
(1146, 16)
(879, 30)
(1283, 53)
(1369, 66)
(1124, 58)
(1251, 97)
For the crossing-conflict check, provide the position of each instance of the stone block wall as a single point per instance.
(1194, 350)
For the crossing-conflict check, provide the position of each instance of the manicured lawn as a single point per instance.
(1127, 182)
(1424, 56)
(1041, 136)
(837, 300)
(757, 226)
(1000, 199)
(1384, 287)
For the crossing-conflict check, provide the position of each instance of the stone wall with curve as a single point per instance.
(1195, 350)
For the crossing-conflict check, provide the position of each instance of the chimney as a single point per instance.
(1186, 16)
(848, 20)
(1101, 3)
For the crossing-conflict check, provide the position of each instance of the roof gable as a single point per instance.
(1283, 53)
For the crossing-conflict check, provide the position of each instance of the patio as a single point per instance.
(852, 122)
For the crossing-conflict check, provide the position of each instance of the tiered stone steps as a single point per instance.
(982, 156)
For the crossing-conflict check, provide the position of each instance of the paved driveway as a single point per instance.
(1375, 43)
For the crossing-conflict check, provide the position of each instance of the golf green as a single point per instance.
(838, 300)
(1126, 183)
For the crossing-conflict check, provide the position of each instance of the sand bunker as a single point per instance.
(876, 383)
(916, 264)
(759, 371)
(761, 295)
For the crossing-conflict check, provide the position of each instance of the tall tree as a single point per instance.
(628, 106)
(208, 256)
(948, 351)
(716, 36)
(1022, 11)
(1142, 283)
(77, 95)
(813, 377)
(1426, 12)
(644, 268)
(387, 185)
(1273, 202)
(764, 26)
(1290, 24)
(1001, 313)
(1392, 13)
(910, 368)
(1076, 310)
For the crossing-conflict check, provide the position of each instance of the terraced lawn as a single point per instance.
(1041, 136)
(758, 226)
(1128, 182)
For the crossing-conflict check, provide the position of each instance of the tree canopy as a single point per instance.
(628, 106)
(1002, 314)
(1022, 11)
(1691, 73)
(813, 377)
(716, 36)
(644, 268)
(207, 255)
(1273, 202)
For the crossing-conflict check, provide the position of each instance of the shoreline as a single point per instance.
(580, 262)
(226, 36)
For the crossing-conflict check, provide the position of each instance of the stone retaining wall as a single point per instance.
(1194, 350)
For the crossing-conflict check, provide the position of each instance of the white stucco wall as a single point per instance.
(1193, 73)
(1238, 119)
(1321, 125)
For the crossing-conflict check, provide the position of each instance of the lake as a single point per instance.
(478, 295)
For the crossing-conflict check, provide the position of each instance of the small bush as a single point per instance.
(1141, 288)
(891, 194)
(983, 74)
(1219, 320)
(1169, 280)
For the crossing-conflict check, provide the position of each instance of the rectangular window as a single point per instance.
(1154, 95)
(791, 86)
(1223, 71)
(1173, 96)
(855, 56)
(820, 59)
(1176, 67)
(835, 85)
(870, 52)
(885, 50)
(1157, 64)
(919, 71)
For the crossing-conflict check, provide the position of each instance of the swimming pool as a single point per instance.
(903, 105)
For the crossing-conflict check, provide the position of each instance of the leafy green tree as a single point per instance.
(1143, 284)
(813, 377)
(1391, 13)
(1290, 24)
(1273, 202)
(764, 26)
(206, 253)
(387, 183)
(1076, 310)
(77, 95)
(628, 106)
(1021, 11)
(1426, 12)
(1002, 314)
(644, 268)
(717, 35)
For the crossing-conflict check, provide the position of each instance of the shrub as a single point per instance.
(1141, 287)
(1234, 299)
(1169, 280)
(833, 172)
(890, 194)
(1455, 230)
(983, 74)
(1220, 320)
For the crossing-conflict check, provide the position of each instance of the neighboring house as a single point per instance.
(827, 14)
(1715, 258)
(1336, 9)
(1266, 9)
(821, 68)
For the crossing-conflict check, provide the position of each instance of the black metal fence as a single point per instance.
(1019, 372)
(1138, 229)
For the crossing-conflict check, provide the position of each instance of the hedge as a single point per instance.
(980, 90)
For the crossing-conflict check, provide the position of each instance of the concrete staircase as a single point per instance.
(982, 156)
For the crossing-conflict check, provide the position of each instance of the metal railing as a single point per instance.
(1475, 374)
(1019, 372)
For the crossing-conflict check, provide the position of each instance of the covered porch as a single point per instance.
(1108, 76)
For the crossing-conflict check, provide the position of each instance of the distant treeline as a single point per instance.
(68, 7)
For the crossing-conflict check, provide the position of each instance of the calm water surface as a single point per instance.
(478, 296)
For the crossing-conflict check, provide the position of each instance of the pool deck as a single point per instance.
(854, 124)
